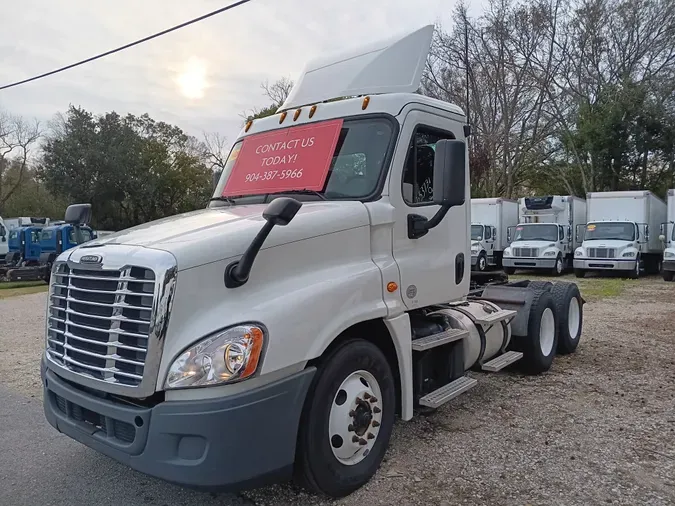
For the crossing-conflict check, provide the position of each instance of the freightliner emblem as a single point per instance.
(91, 259)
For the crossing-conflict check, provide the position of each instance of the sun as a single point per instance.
(192, 81)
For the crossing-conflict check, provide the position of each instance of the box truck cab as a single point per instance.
(4, 245)
(544, 239)
(490, 222)
(668, 240)
(278, 332)
(621, 233)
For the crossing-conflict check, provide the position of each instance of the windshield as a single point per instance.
(72, 235)
(336, 158)
(532, 232)
(619, 231)
(46, 235)
(476, 232)
(13, 234)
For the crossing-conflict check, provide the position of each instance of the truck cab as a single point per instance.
(4, 247)
(56, 239)
(491, 219)
(482, 246)
(544, 238)
(667, 238)
(24, 246)
(324, 291)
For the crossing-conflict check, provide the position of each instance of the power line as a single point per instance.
(126, 46)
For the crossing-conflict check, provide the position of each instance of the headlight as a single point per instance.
(507, 252)
(228, 356)
(669, 254)
(474, 250)
(629, 254)
(550, 253)
(578, 253)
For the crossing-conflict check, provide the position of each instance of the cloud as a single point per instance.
(235, 51)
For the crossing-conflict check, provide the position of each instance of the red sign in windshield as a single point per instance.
(296, 158)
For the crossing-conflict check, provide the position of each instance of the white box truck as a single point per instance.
(618, 234)
(544, 238)
(668, 240)
(280, 331)
(490, 222)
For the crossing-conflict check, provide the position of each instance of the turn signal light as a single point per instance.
(392, 287)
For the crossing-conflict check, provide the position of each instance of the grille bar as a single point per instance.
(109, 370)
(116, 344)
(120, 305)
(99, 329)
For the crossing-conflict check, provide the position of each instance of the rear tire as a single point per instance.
(570, 310)
(331, 406)
(510, 270)
(540, 285)
(540, 343)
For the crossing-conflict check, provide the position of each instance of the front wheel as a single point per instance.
(635, 273)
(559, 267)
(510, 270)
(347, 420)
(668, 275)
(481, 264)
(580, 273)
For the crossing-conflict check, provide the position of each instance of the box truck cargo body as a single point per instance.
(621, 233)
(544, 238)
(490, 221)
(668, 240)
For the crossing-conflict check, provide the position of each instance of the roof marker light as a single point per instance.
(283, 117)
(248, 125)
(296, 115)
(366, 101)
(312, 111)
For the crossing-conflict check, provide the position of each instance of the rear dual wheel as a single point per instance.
(539, 345)
(347, 420)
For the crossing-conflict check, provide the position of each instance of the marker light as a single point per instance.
(248, 126)
(391, 287)
(312, 111)
(366, 101)
(296, 115)
(283, 117)
(230, 355)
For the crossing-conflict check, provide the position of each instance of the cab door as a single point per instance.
(434, 268)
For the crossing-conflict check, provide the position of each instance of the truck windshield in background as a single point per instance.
(536, 232)
(337, 158)
(618, 231)
(476, 232)
(86, 235)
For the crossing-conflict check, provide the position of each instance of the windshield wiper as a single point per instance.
(222, 199)
(299, 192)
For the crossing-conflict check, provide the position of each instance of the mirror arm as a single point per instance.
(418, 225)
(236, 274)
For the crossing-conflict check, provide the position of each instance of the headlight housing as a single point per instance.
(629, 254)
(669, 254)
(578, 253)
(230, 355)
(507, 252)
(551, 253)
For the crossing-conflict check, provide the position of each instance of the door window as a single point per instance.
(488, 232)
(418, 172)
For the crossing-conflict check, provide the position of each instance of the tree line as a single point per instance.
(563, 97)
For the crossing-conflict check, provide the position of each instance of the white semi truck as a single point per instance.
(324, 291)
(618, 234)
(545, 239)
(668, 240)
(490, 222)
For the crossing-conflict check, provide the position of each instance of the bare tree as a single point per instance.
(277, 91)
(18, 138)
(216, 150)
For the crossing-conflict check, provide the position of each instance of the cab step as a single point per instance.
(500, 362)
(445, 337)
(496, 317)
(448, 392)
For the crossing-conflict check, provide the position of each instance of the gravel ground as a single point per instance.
(597, 429)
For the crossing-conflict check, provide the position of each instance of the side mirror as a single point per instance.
(450, 173)
(78, 214)
(646, 233)
(569, 232)
(279, 212)
(508, 234)
(494, 233)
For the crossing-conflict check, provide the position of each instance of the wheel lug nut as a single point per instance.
(376, 423)
(363, 442)
(376, 410)
(370, 435)
(355, 439)
(366, 396)
(350, 428)
(373, 399)
(352, 413)
(359, 400)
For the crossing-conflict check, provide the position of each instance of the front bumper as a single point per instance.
(529, 263)
(668, 265)
(591, 264)
(240, 441)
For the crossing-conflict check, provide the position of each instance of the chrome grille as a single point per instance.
(601, 252)
(526, 252)
(99, 321)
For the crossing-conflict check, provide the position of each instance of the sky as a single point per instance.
(201, 78)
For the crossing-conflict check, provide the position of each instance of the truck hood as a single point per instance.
(209, 235)
(532, 244)
(601, 243)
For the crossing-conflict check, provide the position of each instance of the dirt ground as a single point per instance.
(599, 428)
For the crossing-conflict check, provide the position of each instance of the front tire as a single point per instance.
(346, 425)
(510, 270)
(635, 273)
(481, 263)
(559, 267)
(580, 273)
(668, 275)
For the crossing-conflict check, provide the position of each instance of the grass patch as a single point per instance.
(20, 284)
(27, 290)
(592, 288)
